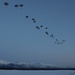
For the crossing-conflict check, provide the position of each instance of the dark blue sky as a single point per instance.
(21, 41)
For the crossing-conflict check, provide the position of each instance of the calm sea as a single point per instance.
(20, 72)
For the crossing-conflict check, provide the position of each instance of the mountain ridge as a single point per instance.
(37, 66)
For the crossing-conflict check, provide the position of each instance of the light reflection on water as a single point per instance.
(20, 72)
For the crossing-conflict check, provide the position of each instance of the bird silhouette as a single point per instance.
(6, 3)
(52, 35)
(47, 33)
(21, 5)
(56, 40)
(46, 28)
(37, 27)
(27, 16)
(41, 26)
(33, 19)
(63, 40)
(16, 5)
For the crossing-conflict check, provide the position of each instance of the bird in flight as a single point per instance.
(41, 26)
(56, 40)
(47, 33)
(52, 35)
(16, 5)
(63, 40)
(46, 28)
(37, 27)
(33, 19)
(6, 3)
(21, 5)
(27, 16)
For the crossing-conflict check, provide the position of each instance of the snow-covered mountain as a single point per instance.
(4, 62)
(22, 65)
(25, 66)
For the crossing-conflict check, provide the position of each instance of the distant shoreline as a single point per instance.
(37, 69)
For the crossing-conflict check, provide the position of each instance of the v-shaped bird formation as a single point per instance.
(38, 27)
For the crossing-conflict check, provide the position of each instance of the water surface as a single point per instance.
(20, 72)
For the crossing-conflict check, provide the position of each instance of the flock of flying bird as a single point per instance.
(38, 27)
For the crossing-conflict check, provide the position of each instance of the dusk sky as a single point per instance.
(20, 40)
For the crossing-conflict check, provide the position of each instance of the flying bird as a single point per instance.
(56, 40)
(46, 28)
(47, 33)
(41, 26)
(52, 35)
(21, 5)
(33, 19)
(63, 40)
(27, 16)
(16, 5)
(6, 3)
(37, 27)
